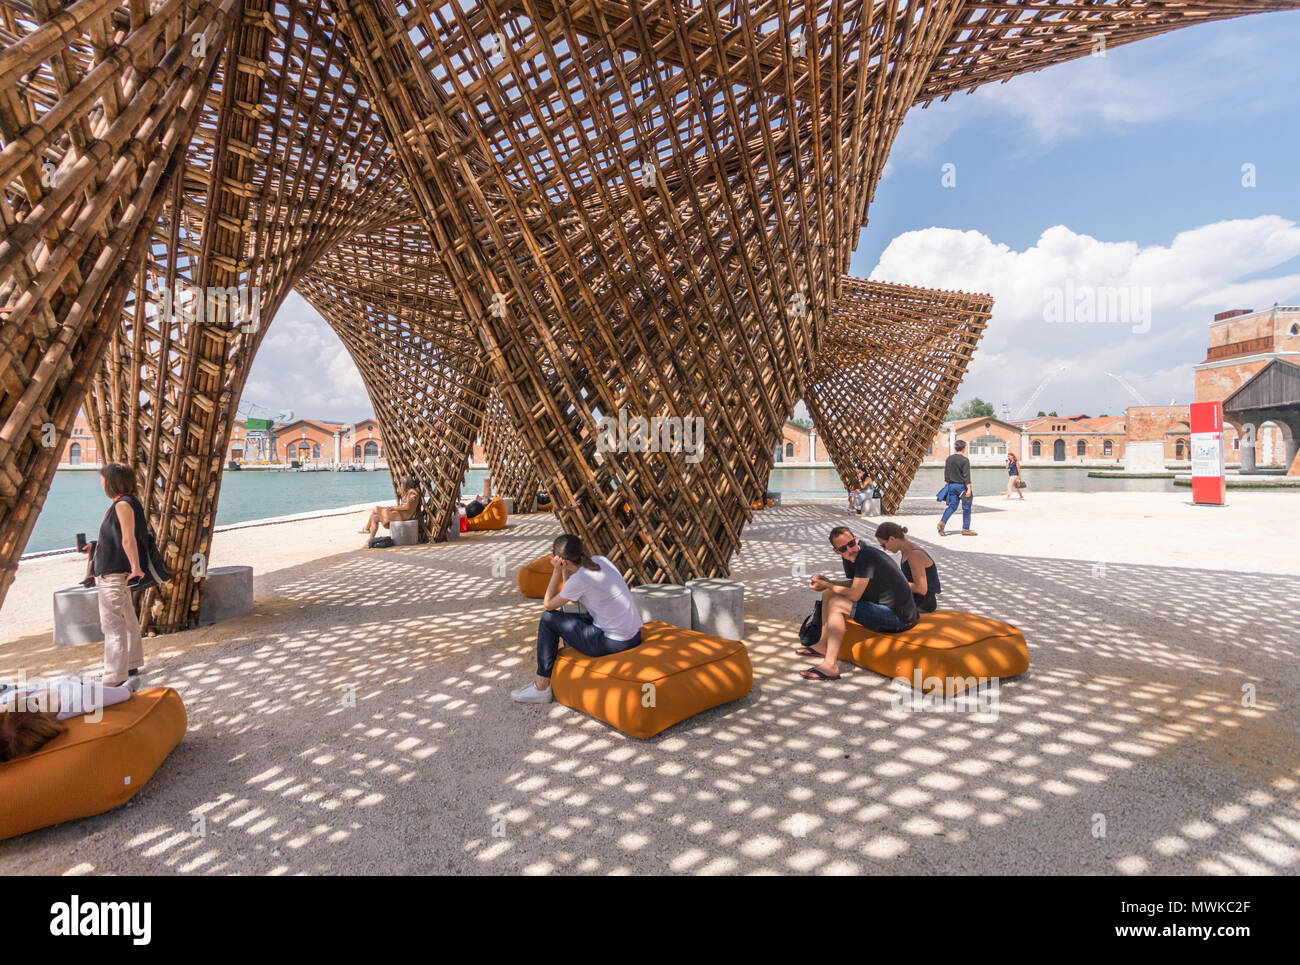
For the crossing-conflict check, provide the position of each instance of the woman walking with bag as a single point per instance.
(119, 553)
(1014, 483)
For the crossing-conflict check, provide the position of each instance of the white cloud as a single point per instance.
(302, 365)
(1201, 72)
(1197, 274)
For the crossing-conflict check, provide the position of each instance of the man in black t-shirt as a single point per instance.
(876, 595)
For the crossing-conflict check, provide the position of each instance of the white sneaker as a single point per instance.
(531, 695)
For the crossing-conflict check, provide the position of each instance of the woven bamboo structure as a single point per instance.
(890, 366)
(586, 210)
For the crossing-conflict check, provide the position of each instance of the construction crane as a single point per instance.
(1131, 391)
(1039, 391)
(259, 435)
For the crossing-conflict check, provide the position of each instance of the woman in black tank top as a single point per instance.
(118, 556)
(920, 570)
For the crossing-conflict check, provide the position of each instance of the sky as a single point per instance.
(1166, 171)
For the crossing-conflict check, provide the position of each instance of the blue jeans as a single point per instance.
(876, 616)
(579, 632)
(952, 495)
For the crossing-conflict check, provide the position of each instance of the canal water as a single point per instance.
(76, 502)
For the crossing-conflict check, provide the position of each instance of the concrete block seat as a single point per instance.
(718, 607)
(673, 674)
(533, 577)
(666, 602)
(493, 517)
(947, 644)
(227, 592)
(405, 532)
(91, 767)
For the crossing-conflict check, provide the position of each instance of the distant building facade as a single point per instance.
(80, 448)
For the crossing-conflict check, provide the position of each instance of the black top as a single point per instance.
(932, 587)
(887, 585)
(956, 469)
(109, 555)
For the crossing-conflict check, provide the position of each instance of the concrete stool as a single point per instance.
(227, 592)
(718, 607)
(510, 504)
(453, 531)
(872, 508)
(405, 532)
(776, 501)
(666, 602)
(76, 616)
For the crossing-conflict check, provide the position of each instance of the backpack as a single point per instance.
(151, 559)
(381, 542)
(810, 631)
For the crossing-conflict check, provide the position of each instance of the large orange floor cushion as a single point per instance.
(672, 675)
(492, 517)
(953, 646)
(534, 577)
(91, 767)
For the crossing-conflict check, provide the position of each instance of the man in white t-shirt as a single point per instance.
(611, 624)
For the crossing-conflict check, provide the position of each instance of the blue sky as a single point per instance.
(1122, 170)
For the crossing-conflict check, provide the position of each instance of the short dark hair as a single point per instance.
(569, 547)
(837, 531)
(961, 444)
(120, 479)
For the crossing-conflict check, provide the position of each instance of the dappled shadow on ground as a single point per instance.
(367, 728)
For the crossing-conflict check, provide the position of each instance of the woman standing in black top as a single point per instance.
(925, 583)
(122, 538)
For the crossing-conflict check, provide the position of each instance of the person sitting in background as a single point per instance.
(861, 497)
(920, 570)
(611, 624)
(474, 507)
(408, 508)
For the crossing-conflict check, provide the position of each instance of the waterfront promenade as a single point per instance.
(1145, 618)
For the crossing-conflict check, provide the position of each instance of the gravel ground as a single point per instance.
(1145, 618)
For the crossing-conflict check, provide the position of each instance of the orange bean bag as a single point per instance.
(534, 577)
(756, 504)
(954, 646)
(671, 675)
(492, 517)
(91, 767)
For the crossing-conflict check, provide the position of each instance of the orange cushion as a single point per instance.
(534, 576)
(91, 767)
(492, 517)
(954, 646)
(679, 672)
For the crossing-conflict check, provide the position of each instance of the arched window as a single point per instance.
(779, 454)
(789, 450)
(356, 451)
(988, 445)
(74, 454)
(1037, 449)
(371, 451)
(1236, 443)
(292, 452)
(1107, 448)
(1178, 449)
(315, 451)
(1081, 448)
(1058, 450)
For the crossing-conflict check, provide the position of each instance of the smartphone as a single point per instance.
(81, 542)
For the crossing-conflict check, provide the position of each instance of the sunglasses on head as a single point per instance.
(846, 547)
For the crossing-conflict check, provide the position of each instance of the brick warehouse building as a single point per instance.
(1243, 343)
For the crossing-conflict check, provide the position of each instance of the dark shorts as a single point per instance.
(878, 617)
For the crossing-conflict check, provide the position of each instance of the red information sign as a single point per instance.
(1207, 453)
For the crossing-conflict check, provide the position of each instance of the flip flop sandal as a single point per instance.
(816, 674)
(808, 652)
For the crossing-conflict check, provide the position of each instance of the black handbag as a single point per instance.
(381, 542)
(810, 631)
